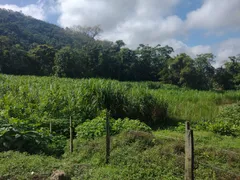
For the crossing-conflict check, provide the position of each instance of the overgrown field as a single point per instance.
(147, 129)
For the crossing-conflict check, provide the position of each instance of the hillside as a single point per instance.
(26, 31)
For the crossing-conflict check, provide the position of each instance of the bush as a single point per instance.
(228, 121)
(56, 146)
(97, 126)
(13, 138)
(22, 137)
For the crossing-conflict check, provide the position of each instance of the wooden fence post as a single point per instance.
(189, 153)
(107, 138)
(71, 134)
(50, 126)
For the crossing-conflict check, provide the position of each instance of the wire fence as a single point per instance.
(185, 155)
(205, 164)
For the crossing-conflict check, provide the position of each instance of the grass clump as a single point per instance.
(15, 165)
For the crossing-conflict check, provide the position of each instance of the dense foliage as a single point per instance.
(33, 47)
(228, 121)
(40, 107)
(96, 127)
(30, 105)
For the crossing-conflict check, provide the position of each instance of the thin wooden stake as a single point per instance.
(50, 127)
(107, 138)
(189, 153)
(71, 135)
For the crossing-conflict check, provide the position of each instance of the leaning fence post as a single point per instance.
(189, 153)
(107, 138)
(71, 134)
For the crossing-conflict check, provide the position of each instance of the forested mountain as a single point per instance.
(27, 31)
(32, 47)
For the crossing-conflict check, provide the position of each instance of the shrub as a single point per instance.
(96, 127)
(228, 121)
(127, 124)
(12, 138)
(22, 137)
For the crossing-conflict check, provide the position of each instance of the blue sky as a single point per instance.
(191, 26)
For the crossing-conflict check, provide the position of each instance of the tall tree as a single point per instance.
(205, 70)
(67, 63)
(182, 71)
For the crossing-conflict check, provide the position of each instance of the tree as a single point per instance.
(66, 63)
(91, 32)
(228, 77)
(151, 60)
(43, 58)
(233, 68)
(182, 71)
(4, 48)
(223, 79)
(127, 61)
(205, 70)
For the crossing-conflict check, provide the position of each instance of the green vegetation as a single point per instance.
(91, 129)
(33, 47)
(228, 121)
(134, 155)
(39, 101)
(146, 117)
(29, 104)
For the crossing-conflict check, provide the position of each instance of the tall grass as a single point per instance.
(193, 105)
(38, 99)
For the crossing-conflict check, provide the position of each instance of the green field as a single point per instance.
(29, 105)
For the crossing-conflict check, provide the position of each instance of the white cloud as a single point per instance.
(222, 51)
(215, 15)
(230, 47)
(200, 49)
(110, 13)
(34, 10)
(180, 47)
(93, 12)
(135, 21)
(136, 31)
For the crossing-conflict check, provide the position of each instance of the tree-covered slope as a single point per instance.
(26, 30)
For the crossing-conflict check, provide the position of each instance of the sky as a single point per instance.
(190, 26)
